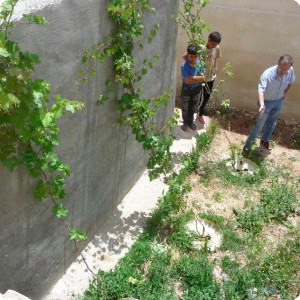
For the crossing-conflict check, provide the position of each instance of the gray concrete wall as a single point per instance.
(255, 33)
(104, 157)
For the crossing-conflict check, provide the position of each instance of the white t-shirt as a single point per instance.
(209, 57)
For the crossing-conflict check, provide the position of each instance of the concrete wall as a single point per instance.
(104, 157)
(255, 33)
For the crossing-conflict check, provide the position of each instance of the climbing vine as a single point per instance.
(136, 111)
(28, 129)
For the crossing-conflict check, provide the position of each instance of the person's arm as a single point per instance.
(261, 102)
(193, 79)
(216, 65)
(262, 85)
(286, 90)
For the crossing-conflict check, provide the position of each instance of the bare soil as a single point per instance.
(222, 199)
(286, 134)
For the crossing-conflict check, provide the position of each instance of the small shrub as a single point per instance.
(216, 219)
(231, 240)
(251, 220)
(278, 202)
(243, 180)
(196, 275)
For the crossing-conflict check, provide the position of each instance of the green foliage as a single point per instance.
(163, 265)
(219, 221)
(144, 273)
(266, 273)
(36, 19)
(277, 203)
(149, 270)
(231, 240)
(191, 22)
(136, 112)
(244, 180)
(180, 237)
(28, 130)
(252, 220)
(196, 275)
(77, 235)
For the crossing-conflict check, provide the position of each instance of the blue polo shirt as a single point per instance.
(187, 70)
(272, 85)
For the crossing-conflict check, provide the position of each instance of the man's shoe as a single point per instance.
(201, 119)
(246, 152)
(193, 126)
(184, 127)
(265, 145)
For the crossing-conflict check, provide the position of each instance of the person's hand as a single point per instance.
(261, 110)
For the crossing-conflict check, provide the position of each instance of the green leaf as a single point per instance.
(60, 211)
(37, 97)
(70, 107)
(77, 235)
(7, 5)
(101, 99)
(11, 163)
(4, 52)
(8, 101)
(36, 19)
(47, 120)
(92, 72)
(144, 71)
(41, 190)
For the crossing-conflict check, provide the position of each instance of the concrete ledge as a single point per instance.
(12, 295)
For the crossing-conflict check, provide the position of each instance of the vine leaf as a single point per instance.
(4, 52)
(39, 20)
(77, 235)
(59, 211)
(41, 190)
(7, 101)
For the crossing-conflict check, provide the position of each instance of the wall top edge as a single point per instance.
(30, 6)
(291, 8)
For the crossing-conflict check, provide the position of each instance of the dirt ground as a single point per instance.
(242, 121)
(223, 200)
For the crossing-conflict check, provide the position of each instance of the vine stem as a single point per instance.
(63, 220)
(9, 19)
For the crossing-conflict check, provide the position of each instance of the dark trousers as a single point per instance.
(205, 95)
(189, 102)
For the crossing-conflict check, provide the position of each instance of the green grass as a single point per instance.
(222, 171)
(162, 264)
(272, 272)
(277, 203)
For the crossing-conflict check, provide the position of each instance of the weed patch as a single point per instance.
(163, 264)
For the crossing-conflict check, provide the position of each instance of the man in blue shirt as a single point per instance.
(272, 89)
(192, 78)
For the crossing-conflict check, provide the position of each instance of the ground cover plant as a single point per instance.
(259, 255)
